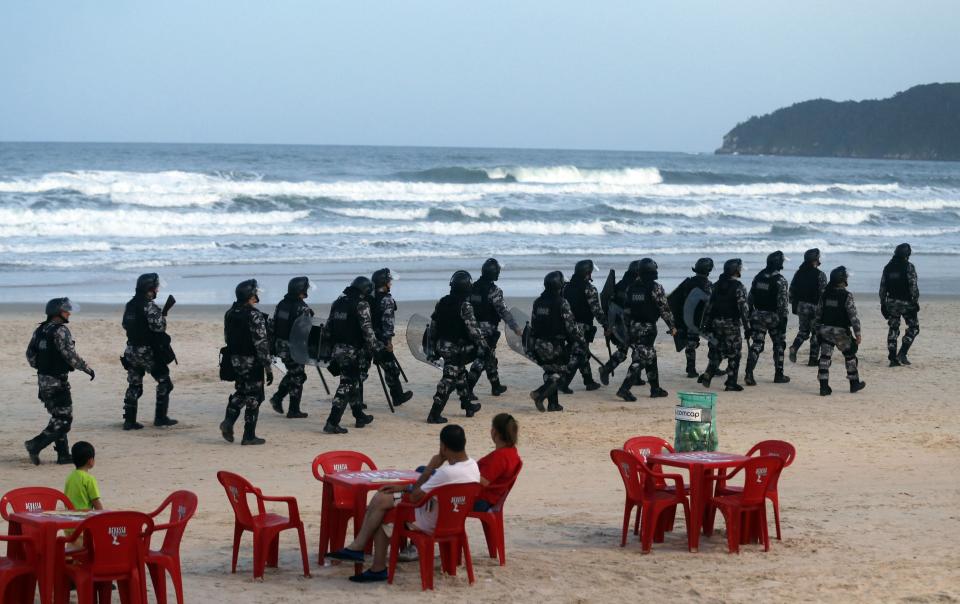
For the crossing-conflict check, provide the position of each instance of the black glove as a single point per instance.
(91, 373)
(883, 311)
(793, 307)
(382, 356)
(269, 376)
(748, 333)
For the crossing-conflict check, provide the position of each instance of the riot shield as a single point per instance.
(420, 341)
(693, 309)
(618, 326)
(514, 341)
(606, 293)
(305, 340)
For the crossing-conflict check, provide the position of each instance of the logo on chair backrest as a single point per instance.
(625, 468)
(761, 474)
(235, 493)
(644, 452)
(457, 502)
(116, 532)
(181, 511)
(33, 506)
(340, 467)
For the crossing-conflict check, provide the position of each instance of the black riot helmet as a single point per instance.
(490, 269)
(460, 283)
(648, 269)
(903, 251)
(634, 268)
(584, 269)
(248, 289)
(732, 267)
(775, 261)
(703, 266)
(362, 285)
(59, 305)
(298, 285)
(812, 255)
(839, 276)
(382, 277)
(553, 282)
(147, 282)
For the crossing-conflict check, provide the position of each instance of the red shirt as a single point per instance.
(497, 466)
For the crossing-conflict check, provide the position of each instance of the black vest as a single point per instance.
(287, 312)
(898, 287)
(723, 303)
(805, 285)
(834, 302)
(237, 329)
(620, 290)
(50, 359)
(376, 312)
(483, 308)
(547, 320)
(576, 294)
(344, 321)
(449, 320)
(135, 322)
(765, 290)
(643, 308)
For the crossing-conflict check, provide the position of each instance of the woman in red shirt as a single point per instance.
(499, 465)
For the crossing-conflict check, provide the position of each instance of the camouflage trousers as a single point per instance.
(54, 393)
(690, 350)
(582, 352)
(642, 338)
(248, 390)
(725, 342)
(455, 376)
(555, 359)
(488, 363)
(293, 380)
(139, 361)
(353, 364)
(807, 313)
(763, 322)
(838, 337)
(391, 375)
(897, 309)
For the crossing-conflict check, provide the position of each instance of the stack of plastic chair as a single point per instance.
(183, 505)
(266, 528)
(18, 569)
(493, 519)
(333, 536)
(641, 447)
(642, 493)
(748, 506)
(453, 503)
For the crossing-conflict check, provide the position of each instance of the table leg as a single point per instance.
(47, 564)
(696, 506)
(326, 516)
(359, 512)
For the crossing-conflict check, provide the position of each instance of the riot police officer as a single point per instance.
(806, 287)
(726, 311)
(900, 297)
(148, 351)
(618, 331)
(768, 302)
(646, 302)
(489, 309)
(350, 330)
(51, 352)
(248, 332)
(459, 341)
(687, 303)
(384, 311)
(838, 326)
(553, 333)
(288, 310)
(585, 303)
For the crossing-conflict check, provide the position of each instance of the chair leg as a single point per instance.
(764, 531)
(775, 500)
(647, 527)
(425, 553)
(303, 550)
(103, 590)
(177, 578)
(686, 521)
(259, 554)
(237, 534)
(159, 580)
(273, 552)
(466, 558)
(627, 509)
(501, 541)
(733, 530)
(394, 553)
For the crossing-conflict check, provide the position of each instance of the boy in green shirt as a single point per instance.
(81, 488)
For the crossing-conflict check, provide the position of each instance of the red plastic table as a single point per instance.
(46, 525)
(359, 483)
(701, 465)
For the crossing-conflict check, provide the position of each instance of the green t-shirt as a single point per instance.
(81, 489)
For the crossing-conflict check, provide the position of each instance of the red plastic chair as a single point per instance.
(640, 484)
(749, 505)
(18, 574)
(492, 519)
(183, 505)
(266, 528)
(114, 549)
(453, 503)
(333, 537)
(774, 448)
(32, 499)
(641, 447)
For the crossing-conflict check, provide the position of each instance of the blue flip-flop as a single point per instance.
(346, 554)
(369, 576)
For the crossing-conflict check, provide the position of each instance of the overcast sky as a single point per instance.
(603, 74)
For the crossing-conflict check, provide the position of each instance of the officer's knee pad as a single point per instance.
(164, 386)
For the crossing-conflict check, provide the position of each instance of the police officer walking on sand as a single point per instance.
(726, 311)
(288, 310)
(350, 329)
(836, 317)
(900, 297)
(805, 290)
(51, 352)
(489, 309)
(690, 318)
(623, 343)
(247, 332)
(646, 302)
(147, 351)
(554, 332)
(459, 341)
(384, 312)
(768, 301)
(585, 303)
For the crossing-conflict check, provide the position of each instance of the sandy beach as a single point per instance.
(869, 508)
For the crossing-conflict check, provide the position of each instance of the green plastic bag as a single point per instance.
(696, 419)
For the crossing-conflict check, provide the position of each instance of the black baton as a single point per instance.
(322, 380)
(386, 393)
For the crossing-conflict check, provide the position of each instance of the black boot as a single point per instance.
(564, 385)
(857, 385)
(276, 401)
(362, 419)
(469, 407)
(732, 386)
(250, 429)
(605, 372)
(496, 388)
(435, 416)
(624, 390)
(226, 426)
(656, 391)
(792, 353)
(902, 355)
(692, 370)
(63, 452)
(748, 374)
(294, 412)
(333, 421)
(553, 402)
(160, 417)
(706, 378)
(825, 389)
(779, 378)
(399, 396)
(34, 446)
(542, 393)
(130, 420)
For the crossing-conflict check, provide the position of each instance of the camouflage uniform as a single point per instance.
(456, 356)
(840, 337)
(723, 332)
(895, 307)
(249, 370)
(353, 363)
(296, 376)
(554, 356)
(139, 359)
(385, 329)
(693, 331)
(490, 331)
(622, 350)
(806, 312)
(643, 334)
(593, 309)
(774, 322)
(54, 388)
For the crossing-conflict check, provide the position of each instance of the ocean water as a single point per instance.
(85, 219)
